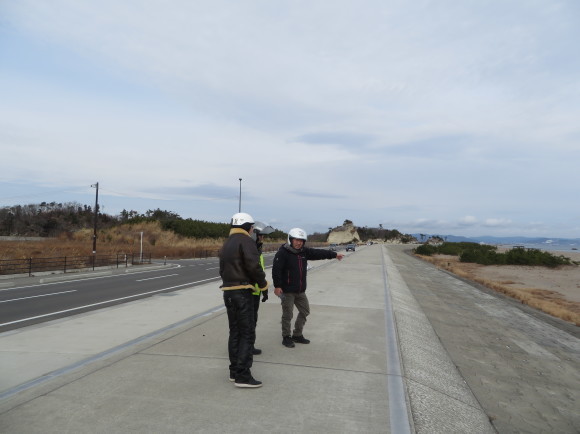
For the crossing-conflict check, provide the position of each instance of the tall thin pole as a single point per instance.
(95, 220)
(240, 206)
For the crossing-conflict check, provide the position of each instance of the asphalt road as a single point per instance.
(27, 301)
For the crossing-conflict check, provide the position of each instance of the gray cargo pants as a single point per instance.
(288, 301)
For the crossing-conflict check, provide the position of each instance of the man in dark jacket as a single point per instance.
(240, 270)
(289, 276)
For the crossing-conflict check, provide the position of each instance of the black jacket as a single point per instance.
(240, 263)
(289, 270)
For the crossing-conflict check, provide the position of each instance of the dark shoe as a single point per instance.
(251, 383)
(256, 351)
(300, 339)
(232, 377)
(288, 342)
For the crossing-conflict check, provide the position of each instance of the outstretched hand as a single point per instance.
(339, 256)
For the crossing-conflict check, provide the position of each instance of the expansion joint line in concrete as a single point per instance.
(323, 368)
(123, 347)
(400, 421)
(451, 397)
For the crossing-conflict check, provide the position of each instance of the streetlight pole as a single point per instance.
(240, 205)
(95, 220)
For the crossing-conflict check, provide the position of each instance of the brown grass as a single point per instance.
(550, 302)
(124, 239)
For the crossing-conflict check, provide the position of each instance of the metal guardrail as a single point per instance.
(68, 263)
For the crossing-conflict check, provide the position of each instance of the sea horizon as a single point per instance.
(553, 246)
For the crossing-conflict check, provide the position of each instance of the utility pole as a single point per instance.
(95, 221)
(240, 206)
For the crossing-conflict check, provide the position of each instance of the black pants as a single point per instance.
(240, 307)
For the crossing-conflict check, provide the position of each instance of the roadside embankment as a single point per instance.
(555, 291)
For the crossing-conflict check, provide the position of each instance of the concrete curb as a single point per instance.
(436, 389)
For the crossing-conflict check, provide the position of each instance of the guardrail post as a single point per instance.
(29, 267)
(64, 270)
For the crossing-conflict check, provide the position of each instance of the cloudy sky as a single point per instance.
(441, 117)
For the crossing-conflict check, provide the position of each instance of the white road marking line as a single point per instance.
(158, 277)
(105, 302)
(81, 280)
(36, 296)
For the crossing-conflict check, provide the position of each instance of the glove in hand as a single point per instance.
(264, 295)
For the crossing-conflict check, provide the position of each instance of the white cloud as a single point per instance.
(493, 222)
(388, 112)
(468, 221)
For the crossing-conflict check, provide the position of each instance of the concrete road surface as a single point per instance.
(397, 346)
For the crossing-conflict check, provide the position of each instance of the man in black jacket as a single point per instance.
(289, 276)
(240, 270)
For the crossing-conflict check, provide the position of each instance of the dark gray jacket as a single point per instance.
(240, 263)
(290, 265)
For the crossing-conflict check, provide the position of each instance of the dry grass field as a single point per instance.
(124, 239)
(553, 291)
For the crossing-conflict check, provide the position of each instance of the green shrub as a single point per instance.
(455, 249)
(458, 248)
(487, 255)
(515, 256)
(482, 256)
(426, 249)
(197, 228)
(521, 256)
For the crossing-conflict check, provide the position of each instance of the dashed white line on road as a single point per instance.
(36, 296)
(158, 277)
(105, 302)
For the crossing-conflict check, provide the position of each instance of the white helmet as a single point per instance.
(297, 233)
(241, 218)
